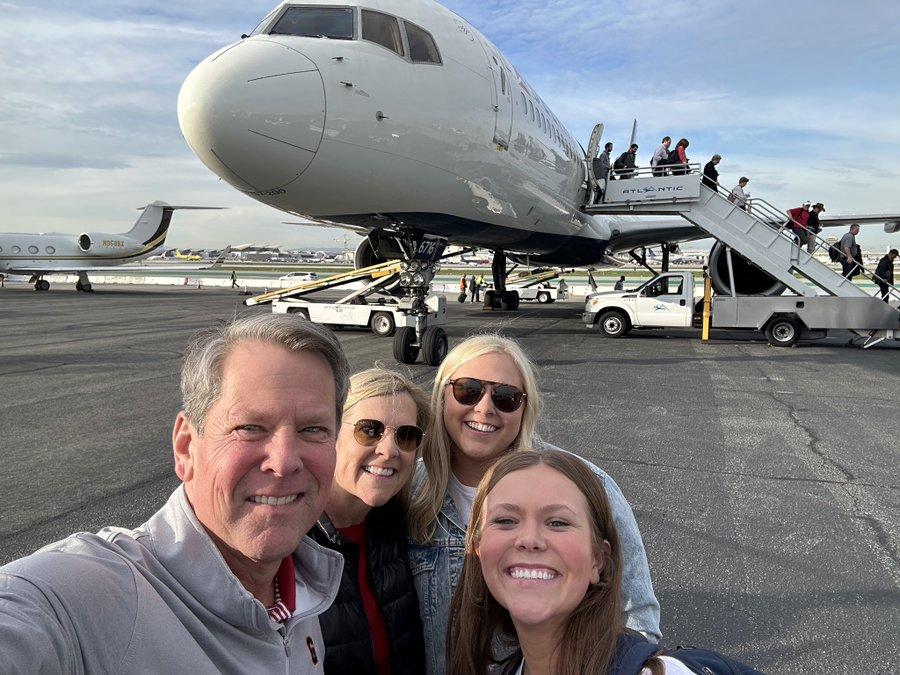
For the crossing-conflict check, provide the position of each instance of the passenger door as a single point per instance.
(664, 302)
(501, 99)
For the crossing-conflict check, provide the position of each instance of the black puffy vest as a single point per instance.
(348, 643)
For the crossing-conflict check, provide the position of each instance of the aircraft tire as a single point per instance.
(614, 324)
(383, 324)
(489, 299)
(434, 345)
(405, 349)
(783, 331)
(510, 301)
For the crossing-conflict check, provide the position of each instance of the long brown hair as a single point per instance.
(477, 620)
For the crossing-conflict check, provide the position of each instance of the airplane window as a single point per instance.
(422, 48)
(329, 22)
(16, 249)
(50, 250)
(259, 26)
(32, 249)
(383, 30)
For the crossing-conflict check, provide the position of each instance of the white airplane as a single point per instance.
(400, 119)
(40, 254)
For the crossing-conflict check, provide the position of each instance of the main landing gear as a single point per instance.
(83, 285)
(500, 298)
(419, 263)
(40, 284)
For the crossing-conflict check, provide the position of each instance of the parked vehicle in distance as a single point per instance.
(295, 278)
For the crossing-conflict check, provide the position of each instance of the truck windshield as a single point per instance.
(329, 22)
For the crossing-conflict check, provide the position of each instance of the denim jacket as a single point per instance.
(437, 564)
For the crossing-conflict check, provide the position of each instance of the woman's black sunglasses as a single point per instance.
(370, 432)
(469, 391)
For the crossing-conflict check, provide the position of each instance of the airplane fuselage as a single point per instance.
(353, 131)
(27, 253)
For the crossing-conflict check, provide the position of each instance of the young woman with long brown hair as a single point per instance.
(543, 573)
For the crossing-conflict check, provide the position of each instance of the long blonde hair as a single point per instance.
(376, 382)
(438, 448)
(477, 620)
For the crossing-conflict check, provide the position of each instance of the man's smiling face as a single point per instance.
(259, 474)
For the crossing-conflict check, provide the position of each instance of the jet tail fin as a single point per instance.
(152, 225)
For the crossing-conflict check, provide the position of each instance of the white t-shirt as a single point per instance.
(462, 495)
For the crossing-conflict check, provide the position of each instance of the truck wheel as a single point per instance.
(302, 311)
(544, 297)
(614, 324)
(783, 331)
(434, 345)
(382, 324)
(405, 349)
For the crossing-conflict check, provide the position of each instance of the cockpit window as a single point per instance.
(265, 22)
(422, 48)
(383, 30)
(328, 22)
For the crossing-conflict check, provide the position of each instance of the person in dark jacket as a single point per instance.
(812, 224)
(884, 273)
(624, 165)
(711, 174)
(374, 625)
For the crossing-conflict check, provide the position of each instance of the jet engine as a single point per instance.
(376, 248)
(100, 244)
(748, 278)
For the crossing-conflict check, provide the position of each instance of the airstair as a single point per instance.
(760, 232)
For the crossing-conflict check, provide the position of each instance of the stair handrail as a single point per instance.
(781, 220)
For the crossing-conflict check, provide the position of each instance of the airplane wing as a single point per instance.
(358, 229)
(891, 220)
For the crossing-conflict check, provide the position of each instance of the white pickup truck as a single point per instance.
(669, 301)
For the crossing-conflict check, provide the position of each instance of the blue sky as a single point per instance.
(803, 97)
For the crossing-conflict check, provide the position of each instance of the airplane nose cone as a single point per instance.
(254, 114)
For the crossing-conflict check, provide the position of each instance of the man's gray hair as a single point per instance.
(201, 371)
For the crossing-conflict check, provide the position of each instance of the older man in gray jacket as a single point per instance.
(222, 578)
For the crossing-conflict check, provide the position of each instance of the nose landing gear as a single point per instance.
(420, 256)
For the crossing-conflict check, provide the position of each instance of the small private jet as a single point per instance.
(39, 254)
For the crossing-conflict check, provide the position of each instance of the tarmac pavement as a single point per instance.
(764, 480)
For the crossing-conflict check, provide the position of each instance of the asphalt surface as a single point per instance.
(764, 480)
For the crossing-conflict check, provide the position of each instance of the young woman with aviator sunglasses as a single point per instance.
(486, 404)
(373, 625)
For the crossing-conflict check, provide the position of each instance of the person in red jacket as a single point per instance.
(797, 221)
